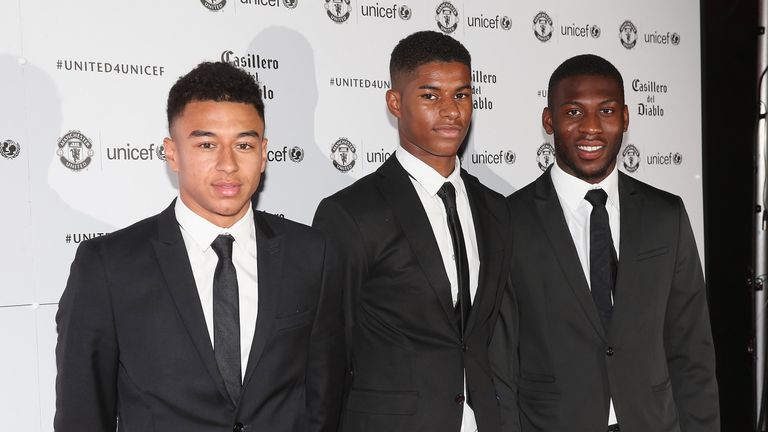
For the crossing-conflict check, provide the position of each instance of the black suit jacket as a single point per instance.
(133, 348)
(655, 358)
(407, 361)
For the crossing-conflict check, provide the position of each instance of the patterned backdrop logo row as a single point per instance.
(338, 10)
(343, 154)
(9, 149)
(629, 35)
(217, 5)
(75, 150)
(447, 17)
(544, 28)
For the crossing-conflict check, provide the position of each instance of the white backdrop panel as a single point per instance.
(85, 83)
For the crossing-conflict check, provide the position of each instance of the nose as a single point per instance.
(591, 123)
(449, 108)
(226, 160)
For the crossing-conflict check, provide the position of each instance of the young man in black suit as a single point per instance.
(209, 316)
(425, 248)
(607, 325)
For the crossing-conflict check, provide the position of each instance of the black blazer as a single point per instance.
(407, 361)
(133, 348)
(655, 358)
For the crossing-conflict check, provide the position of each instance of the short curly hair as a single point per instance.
(426, 47)
(214, 81)
(580, 65)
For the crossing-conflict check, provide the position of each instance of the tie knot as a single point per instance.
(447, 193)
(596, 197)
(222, 245)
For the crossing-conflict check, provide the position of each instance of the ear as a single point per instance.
(264, 143)
(171, 155)
(626, 118)
(393, 102)
(546, 121)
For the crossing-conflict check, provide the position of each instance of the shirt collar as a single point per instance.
(204, 232)
(571, 189)
(425, 175)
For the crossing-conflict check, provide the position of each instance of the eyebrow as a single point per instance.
(203, 133)
(576, 102)
(431, 87)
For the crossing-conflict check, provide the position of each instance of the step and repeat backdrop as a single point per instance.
(82, 118)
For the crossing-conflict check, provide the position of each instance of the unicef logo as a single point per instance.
(447, 17)
(545, 156)
(677, 158)
(675, 39)
(160, 152)
(542, 26)
(595, 31)
(214, 5)
(506, 22)
(404, 12)
(630, 157)
(510, 157)
(343, 154)
(628, 34)
(291, 4)
(75, 150)
(338, 10)
(10, 149)
(296, 154)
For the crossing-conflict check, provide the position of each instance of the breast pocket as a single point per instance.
(294, 321)
(651, 253)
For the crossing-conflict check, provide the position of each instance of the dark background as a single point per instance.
(729, 90)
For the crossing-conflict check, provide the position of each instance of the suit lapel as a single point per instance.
(399, 193)
(269, 255)
(174, 262)
(488, 248)
(631, 207)
(559, 236)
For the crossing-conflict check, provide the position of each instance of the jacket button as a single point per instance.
(464, 348)
(238, 427)
(610, 352)
(459, 399)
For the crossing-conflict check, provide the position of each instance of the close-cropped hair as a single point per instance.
(426, 47)
(580, 65)
(214, 81)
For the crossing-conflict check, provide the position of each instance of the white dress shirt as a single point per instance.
(198, 234)
(577, 210)
(427, 182)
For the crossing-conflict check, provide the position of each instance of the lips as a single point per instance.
(227, 189)
(590, 149)
(449, 131)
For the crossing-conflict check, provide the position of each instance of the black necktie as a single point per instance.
(602, 256)
(226, 317)
(448, 194)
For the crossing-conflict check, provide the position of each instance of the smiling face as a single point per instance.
(588, 118)
(219, 151)
(433, 105)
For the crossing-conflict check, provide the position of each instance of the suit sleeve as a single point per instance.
(86, 349)
(325, 371)
(502, 354)
(344, 239)
(688, 339)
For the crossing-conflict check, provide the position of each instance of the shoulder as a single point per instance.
(131, 237)
(492, 199)
(657, 198)
(282, 226)
(524, 197)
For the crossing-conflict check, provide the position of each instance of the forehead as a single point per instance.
(581, 87)
(218, 113)
(437, 71)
